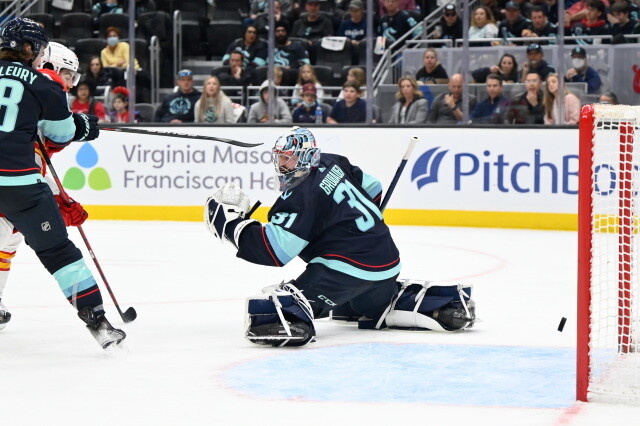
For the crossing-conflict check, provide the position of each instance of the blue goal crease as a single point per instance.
(504, 376)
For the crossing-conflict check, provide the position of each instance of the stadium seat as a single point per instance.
(220, 34)
(147, 112)
(86, 48)
(334, 59)
(75, 26)
(324, 74)
(119, 20)
(193, 10)
(46, 19)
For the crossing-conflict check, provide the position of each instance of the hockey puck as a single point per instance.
(561, 325)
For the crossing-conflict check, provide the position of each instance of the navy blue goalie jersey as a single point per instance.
(28, 100)
(333, 218)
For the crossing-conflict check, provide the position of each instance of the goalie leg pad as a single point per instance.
(282, 316)
(431, 306)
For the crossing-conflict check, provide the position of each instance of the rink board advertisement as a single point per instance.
(475, 177)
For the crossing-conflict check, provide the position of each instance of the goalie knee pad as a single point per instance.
(432, 306)
(282, 316)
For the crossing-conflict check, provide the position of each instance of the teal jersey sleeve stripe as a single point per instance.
(59, 130)
(259, 62)
(31, 179)
(285, 244)
(345, 268)
(73, 275)
(371, 185)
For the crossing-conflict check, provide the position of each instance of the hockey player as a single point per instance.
(59, 64)
(329, 216)
(32, 102)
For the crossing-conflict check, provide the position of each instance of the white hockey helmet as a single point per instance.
(58, 57)
(294, 154)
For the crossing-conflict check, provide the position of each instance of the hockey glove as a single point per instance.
(72, 212)
(54, 147)
(86, 127)
(227, 204)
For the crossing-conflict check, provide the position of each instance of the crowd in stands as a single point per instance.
(301, 28)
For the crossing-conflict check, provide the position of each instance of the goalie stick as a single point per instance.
(394, 181)
(180, 135)
(128, 315)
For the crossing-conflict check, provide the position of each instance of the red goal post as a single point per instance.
(608, 320)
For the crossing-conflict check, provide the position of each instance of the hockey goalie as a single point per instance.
(328, 215)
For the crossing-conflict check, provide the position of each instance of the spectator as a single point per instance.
(278, 75)
(622, 24)
(495, 8)
(306, 112)
(525, 7)
(354, 26)
(594, 24)
(535, 63)
(411, 107)
(576, 12)
(402, 5)
(306, 74)
(450, 25)
(551, 10)
(357, 75)
(541, 27)
(85, 102)
(253, 50)
(103, 7)
(551, 102)
(514, 23)
(312, 27)
(213, 106)
(507, 68)
(116, 54)
(262, 21)
(260, 7)
(581, 72)
(634, 11)
(447, 107)
(432, 71)
(396, 23)
(288, 54)
(608, 98)
(351, 109)
(492, 109)
(258, 113)
(482, 24)
(98, 76)
(528, 107)
(120, 107)
(178, 107)
(234, 75)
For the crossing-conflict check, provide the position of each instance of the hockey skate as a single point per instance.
(5, 316)
(100, 328)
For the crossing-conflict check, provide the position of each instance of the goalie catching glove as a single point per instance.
(72, 212)
(225, 212)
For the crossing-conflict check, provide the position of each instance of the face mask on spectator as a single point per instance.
(577, 63)
(308, 104)
(112, 41)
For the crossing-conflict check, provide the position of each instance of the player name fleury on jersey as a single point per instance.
(18, 72)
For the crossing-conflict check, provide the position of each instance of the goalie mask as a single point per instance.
(58, 57)
(294, 155)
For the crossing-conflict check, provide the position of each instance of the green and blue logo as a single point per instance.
(87, 158)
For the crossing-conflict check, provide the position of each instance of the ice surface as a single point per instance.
(185, 361)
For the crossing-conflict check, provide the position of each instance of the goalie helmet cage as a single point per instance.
(608, 309)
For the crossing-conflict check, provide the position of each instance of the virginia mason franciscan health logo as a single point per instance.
(97, 179)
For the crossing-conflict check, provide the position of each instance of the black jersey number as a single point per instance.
(9, 100)
(355, 199)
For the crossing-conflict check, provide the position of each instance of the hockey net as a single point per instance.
(608, 345)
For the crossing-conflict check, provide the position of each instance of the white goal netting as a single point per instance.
(614, 311)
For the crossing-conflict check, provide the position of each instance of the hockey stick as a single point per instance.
(253, 209)
(179, 135)
(128, 315)
(394, 181)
